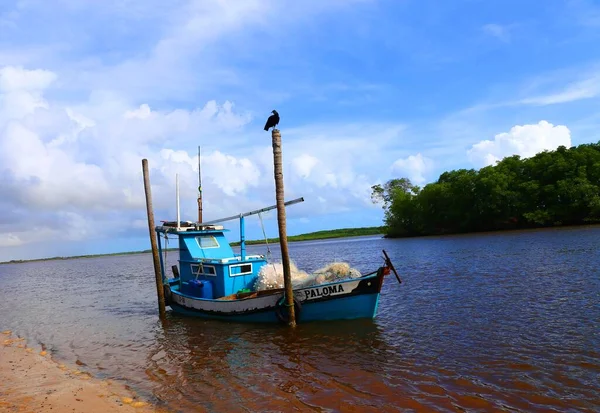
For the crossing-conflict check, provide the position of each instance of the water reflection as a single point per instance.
(262, 366)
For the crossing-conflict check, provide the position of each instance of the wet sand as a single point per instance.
(30, 381)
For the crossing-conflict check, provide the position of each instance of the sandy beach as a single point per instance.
(30, 381)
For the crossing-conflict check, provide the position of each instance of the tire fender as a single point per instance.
(283, 314)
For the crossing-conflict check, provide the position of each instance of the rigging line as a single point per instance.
(166, 264)
(269, 256)
(265, 235)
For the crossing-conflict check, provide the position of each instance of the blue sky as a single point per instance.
(368, 90)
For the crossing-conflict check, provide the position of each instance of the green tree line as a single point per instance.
(325, 234)
(552, 188)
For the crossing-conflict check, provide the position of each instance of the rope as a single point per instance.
(262, 225)
(284, 297)
(269, 257)
(165, 254)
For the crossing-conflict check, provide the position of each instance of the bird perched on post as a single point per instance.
(272, 121)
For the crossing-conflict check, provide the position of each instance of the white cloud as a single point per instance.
(414, 167)
(336, 160)
(18, 79)
(578, 90)
(10, 240)
(525, 141)
(233, 176)
(304, 164)
(72, 138)
(170, 52)
(84, 160)
(64, 227)
(21, 91)
(498, 31)
(143, 112)
(77, 167)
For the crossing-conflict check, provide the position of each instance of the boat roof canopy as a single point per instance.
(207, 244)
(195, 228)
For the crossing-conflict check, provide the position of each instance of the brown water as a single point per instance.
(485, 322)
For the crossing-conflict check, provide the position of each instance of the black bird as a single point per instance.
(272, 121)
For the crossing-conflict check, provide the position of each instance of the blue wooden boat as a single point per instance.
(211, 281)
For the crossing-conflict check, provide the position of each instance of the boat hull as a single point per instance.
(350, 299)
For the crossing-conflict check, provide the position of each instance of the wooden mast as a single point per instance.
(287, 277)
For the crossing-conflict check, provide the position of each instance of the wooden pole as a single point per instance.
(287, 277)
(157, 271)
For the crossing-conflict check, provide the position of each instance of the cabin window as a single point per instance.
(240, 269)
(207, 241)
(200, 269)
(209, 270)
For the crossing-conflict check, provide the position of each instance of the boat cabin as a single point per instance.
(208, 266)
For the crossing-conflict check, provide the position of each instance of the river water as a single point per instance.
(487, 322)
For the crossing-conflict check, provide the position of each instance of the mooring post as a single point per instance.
(287, 277)
(157, 270)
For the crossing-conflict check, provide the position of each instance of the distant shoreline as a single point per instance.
(311, 236)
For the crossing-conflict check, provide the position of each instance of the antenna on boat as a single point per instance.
(177, 196)
(199, 189)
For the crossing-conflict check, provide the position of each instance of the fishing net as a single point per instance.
(270, 275)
